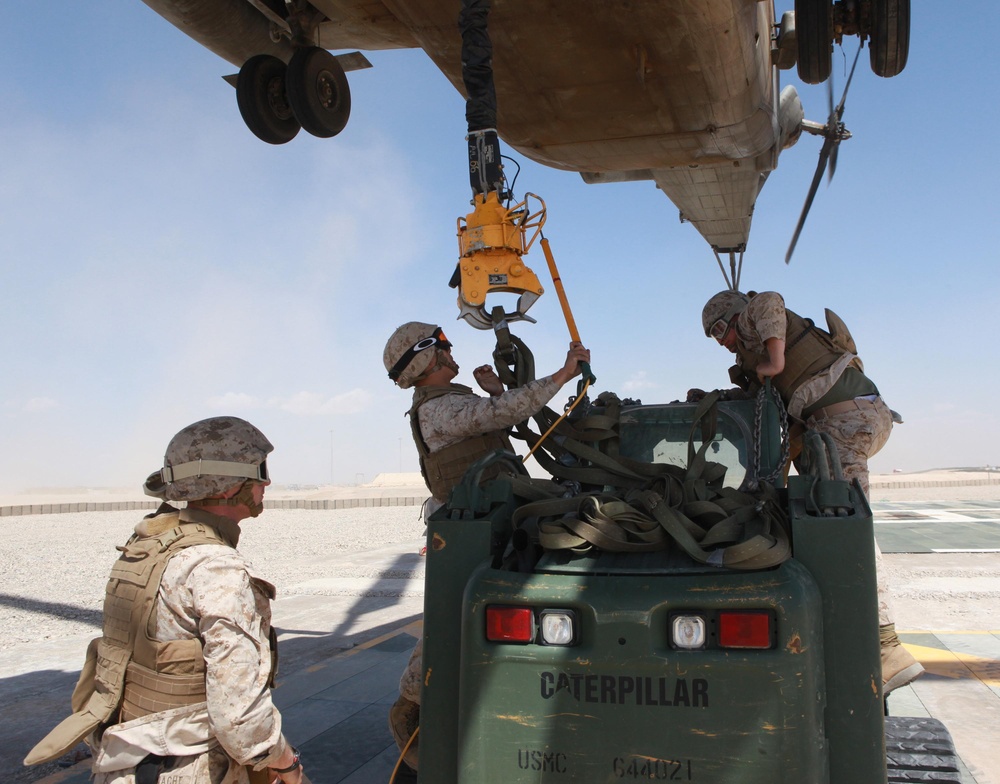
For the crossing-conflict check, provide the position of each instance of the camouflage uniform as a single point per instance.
(448, 419)
(209, 592)
(451, 418)
(859, 434)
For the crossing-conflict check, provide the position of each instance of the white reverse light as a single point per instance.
(688, 631)
(558, 627)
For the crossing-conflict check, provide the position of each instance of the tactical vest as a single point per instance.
(443, 469)
(809, 351)
(128, 673)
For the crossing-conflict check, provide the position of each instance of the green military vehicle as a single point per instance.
(623, 634)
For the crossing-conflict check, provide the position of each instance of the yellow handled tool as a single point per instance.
(574, 333)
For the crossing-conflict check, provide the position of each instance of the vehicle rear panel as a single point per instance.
(622, 703)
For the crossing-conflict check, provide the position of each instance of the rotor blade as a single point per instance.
(833, 134)
(824, 155)
(829, 100)
(843, 98)
(831, 125)
(840, 114)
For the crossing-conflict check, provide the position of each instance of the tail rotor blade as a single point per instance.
(847, 86)
(833, 134)
(817, 178)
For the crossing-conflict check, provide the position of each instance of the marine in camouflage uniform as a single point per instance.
(822, 383)
(453, 428)
(179, 684)
(860, 431)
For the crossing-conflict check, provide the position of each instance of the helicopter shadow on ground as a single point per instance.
(35, 701)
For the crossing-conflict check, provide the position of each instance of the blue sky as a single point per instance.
(159, 264)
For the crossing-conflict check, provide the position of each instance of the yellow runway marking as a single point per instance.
(416, 629)
(949, 664)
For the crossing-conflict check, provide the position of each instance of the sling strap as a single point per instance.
(654, 506)
(641, 507)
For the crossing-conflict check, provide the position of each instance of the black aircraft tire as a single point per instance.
(812, 32)
(889, 47)
(260, 94)
(318, 91)
(920, 750)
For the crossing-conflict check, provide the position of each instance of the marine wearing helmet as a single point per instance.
(821, 382)
(414, 351)
(209, 457)
(187, 654)
(453, 428)
(720, 310)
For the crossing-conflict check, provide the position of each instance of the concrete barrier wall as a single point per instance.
(354, 503)
(124, 506)
(918, 483)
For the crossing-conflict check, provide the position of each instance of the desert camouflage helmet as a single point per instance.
(412, 351)
(208, 457)
(723, 305)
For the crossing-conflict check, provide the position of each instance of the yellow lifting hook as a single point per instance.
(491, 241)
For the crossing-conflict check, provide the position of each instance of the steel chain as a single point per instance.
(756, 478)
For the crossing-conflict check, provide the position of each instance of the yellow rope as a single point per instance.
(402, 754)
(538, 443)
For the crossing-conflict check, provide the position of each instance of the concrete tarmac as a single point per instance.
(342, 654)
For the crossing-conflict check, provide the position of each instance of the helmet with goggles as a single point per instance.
(412, 351)
(208, 457)
(720, 310)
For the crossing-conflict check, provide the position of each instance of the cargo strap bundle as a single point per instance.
(663, 506)
(642, 506)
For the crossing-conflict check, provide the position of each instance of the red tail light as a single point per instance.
(510, 624)
(744, 630)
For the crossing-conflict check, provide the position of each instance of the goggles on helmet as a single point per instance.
(214, 468)
(435, 340)
(719, 329)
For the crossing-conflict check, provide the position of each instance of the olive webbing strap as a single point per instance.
(714, 525)
(660, 504)
(752, 536)
(706, 416)
(604, 466)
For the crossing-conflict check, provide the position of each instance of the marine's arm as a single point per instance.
(775, 362)
(488, 380)
(763, 318)
(763, 326)
(450, 418)
(234, 623)
(454, 417)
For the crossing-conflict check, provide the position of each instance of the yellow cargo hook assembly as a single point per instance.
(491, 242)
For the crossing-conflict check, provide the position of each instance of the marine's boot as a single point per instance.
(898, 666)
(404, 718)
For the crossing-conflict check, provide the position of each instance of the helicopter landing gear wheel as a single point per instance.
(889, 46)
(318, 91)
(812, 30)
(260, 93)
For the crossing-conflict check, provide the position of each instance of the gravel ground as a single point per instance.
(53, 568)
